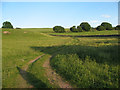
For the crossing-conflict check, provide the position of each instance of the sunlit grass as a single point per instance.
(89, 62)
(76, 57)
(106, 32)
(16, 50)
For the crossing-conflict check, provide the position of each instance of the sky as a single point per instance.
(66, 14)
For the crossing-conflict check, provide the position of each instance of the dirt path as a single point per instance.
(23, 72)
(53, 77)
(32, 61)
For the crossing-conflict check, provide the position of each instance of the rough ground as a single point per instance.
(23, 73)
(53, 77)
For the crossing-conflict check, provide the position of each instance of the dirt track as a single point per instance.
(23, 72)
(50, 74)
(53, 77)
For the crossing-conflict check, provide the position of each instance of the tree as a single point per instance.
(58, 29)
(7, 25)
(73, 29)
(79, 29)
(100, 28)
(18, 28)
(107, 25)
(85, 26)
(117, 27)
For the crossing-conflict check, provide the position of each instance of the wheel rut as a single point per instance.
(23, 72)
(53, 77)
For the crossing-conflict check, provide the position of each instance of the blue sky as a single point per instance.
(66, 14)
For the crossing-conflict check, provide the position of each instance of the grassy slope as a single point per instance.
(89, 62)
(110, 32)
(19, 48)
(17, 51)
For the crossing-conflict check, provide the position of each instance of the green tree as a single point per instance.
(85, 26)
(79, 29)
(73, 29)
(100, 28)
(117, 27)
(107, 25)
(58, 29)
(7, 25)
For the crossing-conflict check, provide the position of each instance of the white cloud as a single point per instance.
(105, 16)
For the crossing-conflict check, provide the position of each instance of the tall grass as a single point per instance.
(88, 66)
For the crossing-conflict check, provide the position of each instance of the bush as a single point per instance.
(7, 25)
(79, 29)
(18, 28)
(114, 28)
(73, 29)
(58, 29)
(107, 25)
(85, 26)
(100, 28)
(117, 27)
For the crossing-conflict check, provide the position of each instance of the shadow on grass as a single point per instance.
(31, 79)
(103, 54)
(87, 35)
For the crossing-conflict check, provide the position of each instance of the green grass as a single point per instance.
(88, 65)
(86, 73)
(39, 80)
(16, 50)
(109, 32)
(73, 58)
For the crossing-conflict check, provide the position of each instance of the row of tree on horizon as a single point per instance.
(84, 26)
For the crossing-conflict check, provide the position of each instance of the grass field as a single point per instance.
(84, 62)
(106, 32)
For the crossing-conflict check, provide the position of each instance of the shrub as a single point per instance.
(85, 26)
(7, 25)
(73, 29)
(58, 29)
(117, 27)
(114, 28)
(18, 28)
(107, 25)
(100, 28)
(79, 29)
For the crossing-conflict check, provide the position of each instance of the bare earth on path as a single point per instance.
(23, 73)
(53, 77)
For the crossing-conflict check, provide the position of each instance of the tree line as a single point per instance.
(84, 26)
